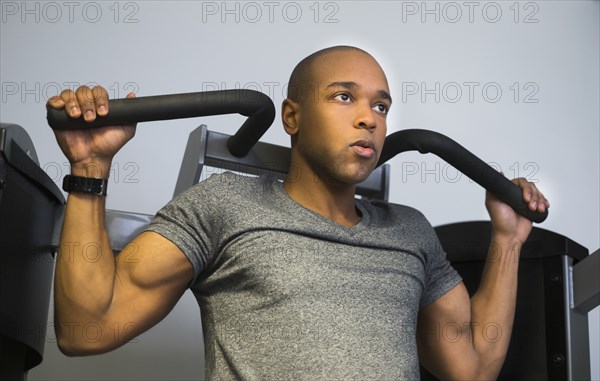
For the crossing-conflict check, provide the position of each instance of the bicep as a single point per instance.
(444, 335)
(152, 274)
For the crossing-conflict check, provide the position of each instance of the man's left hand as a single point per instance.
(508, 224)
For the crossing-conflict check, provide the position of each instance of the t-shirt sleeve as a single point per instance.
(191, 222)
(440, 275)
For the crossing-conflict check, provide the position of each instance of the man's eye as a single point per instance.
(382, 108)
(343, 97)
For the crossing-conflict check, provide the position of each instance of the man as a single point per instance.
(296, 280)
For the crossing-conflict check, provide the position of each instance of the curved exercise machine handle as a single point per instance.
(459, 157)
(257, 106)
(261, 112)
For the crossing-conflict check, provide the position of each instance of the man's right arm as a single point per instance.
(103, 301)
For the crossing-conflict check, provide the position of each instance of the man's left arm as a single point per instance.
(467, 339)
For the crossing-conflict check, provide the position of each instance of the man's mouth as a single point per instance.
(364, 148)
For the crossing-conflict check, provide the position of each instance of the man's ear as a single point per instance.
(290, 112)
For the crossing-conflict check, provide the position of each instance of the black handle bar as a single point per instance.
(255, 105)
(459, 157)
(261, 112)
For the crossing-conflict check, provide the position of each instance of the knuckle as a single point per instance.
(86, 100)
(99, 91)
(68, 95)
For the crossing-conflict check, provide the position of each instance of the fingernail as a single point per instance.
(101, 109)
(89, 114)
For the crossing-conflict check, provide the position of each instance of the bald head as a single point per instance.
(304, 78)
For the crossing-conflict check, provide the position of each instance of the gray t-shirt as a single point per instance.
(287, 294)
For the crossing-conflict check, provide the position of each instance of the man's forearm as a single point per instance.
(85, 268)
(493, 305)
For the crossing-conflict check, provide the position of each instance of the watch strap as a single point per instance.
(85, 184)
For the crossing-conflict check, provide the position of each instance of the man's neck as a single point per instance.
(334, 201)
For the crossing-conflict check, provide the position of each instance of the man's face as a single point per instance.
(342, 122)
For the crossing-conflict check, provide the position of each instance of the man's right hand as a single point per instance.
(90, 151)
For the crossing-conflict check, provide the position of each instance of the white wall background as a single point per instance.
(544, 125)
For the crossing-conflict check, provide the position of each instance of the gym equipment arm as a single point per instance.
(261, 112)
(255, 105)
(459, 157)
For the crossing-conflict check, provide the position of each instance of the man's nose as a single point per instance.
(364, 117)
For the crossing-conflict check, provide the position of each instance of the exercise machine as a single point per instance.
(561, 266)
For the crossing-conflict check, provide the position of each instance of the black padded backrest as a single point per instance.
(30, 205)
(537, 350)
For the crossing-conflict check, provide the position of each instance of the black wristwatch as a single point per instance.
(85, 184)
